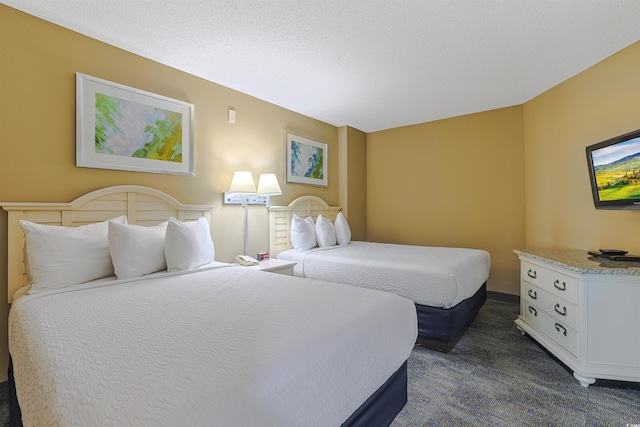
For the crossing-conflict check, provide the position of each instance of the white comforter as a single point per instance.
(433, 276)
(225, 347)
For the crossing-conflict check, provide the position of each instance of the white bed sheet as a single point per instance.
(433, 276)
(225, 346)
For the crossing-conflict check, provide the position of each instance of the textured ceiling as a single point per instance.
(369, 64)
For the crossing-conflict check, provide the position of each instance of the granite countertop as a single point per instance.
(581, 262)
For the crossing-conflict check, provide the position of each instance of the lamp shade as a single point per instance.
(242, 182)
(268, 184)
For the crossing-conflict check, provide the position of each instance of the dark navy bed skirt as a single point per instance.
(441, 328)
(382, 406)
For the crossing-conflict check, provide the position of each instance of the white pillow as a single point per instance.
(325, 232)
(188, 245)
(303, 233)
(136, 250)
(59, 256)
(343, 231)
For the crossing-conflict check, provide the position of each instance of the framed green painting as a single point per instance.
(122, 128)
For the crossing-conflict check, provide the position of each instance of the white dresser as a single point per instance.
(584, 310)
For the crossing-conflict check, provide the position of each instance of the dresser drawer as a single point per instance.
(558, 308)
(551, 281)
(559, 332)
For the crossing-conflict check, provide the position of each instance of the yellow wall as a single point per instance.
(38, 62)
(510, 178)
(455, 182)
(353, 179)
(597, 104)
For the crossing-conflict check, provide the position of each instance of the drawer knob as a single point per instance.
(560, 327)
(563, 312)
(532, 274)
(533, 294)
(533, 311)
(559, 287)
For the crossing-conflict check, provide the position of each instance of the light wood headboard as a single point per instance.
(141, 205)
(280, 220)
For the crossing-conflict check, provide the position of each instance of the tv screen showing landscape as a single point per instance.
(615, 170)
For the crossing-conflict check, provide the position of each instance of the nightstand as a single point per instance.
(276, 266)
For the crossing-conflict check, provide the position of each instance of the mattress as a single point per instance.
(432, 276)
(221, 346)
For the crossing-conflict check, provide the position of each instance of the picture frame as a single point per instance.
(123, 128)
(306, 160)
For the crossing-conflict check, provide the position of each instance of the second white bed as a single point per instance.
(448, 285)
(431, 276)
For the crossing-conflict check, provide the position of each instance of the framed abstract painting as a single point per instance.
(306, 160)
(122, 128)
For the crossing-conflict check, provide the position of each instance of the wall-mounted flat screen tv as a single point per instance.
(614, 169)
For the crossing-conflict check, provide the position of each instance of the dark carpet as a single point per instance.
(4, 404)
(497, 377)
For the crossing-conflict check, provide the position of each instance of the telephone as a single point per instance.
(246, 260)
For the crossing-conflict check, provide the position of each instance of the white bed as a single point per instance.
(214, 345)
(452, 274)
(448, 285)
